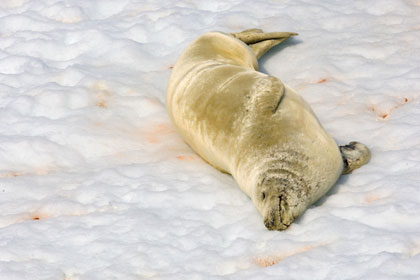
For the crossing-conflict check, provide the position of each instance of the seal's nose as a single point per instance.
(269, 223)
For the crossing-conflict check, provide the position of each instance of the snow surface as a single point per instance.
(96, 184)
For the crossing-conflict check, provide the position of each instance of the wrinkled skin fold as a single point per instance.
(251, 125)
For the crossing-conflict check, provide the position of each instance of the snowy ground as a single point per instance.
(96, 184)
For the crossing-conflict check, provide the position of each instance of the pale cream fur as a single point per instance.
(252, 126)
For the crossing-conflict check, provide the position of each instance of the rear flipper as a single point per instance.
(354, 155)
(261, 42)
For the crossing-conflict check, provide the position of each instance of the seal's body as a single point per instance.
(250, 125)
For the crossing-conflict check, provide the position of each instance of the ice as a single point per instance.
(95, 182)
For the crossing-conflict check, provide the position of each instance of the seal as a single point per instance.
(252, 126)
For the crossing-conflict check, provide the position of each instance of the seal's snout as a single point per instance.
(278, 217)
(272, 224)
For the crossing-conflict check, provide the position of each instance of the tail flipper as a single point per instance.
(261, 42)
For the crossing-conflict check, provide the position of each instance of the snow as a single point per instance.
(96, 184)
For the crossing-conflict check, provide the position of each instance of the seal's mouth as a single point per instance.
(283, 208)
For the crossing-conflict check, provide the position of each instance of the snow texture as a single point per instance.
(96, 184)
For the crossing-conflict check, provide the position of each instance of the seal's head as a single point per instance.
(279, 203)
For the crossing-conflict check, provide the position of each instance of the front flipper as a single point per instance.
(354, 155)
(267, 94)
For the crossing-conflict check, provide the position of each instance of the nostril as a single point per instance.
(269, 223)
